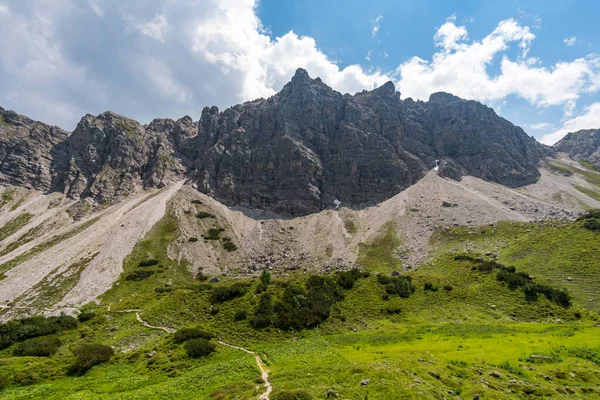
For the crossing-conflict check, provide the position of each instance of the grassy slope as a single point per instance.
(461, 334)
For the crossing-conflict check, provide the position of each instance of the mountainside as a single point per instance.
(582, 145)
(210, 259)
(294, 153)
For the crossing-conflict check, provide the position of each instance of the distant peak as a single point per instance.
(387, 88)
(301, 73)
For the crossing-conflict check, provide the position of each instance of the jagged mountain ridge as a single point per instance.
(293, 153)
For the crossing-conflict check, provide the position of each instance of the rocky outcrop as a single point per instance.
(109, 156)
(583, 144)
(300, 151)
(27, 149)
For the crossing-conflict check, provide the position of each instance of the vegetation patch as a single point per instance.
(200, 347)
(397, 285)
(148, 263)
(138, 275)
(594, 194)
(186, 334)
(225, 293)
(42, 346)
(14, 225)
(589, 165)
(88, 355)
(203, 214)
(22, 329)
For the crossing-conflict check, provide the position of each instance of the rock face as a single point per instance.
(107, 157)
(298, 152)
(27, 149)
(584, 144)
(305, 147)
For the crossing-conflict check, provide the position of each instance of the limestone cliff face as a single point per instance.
(308, 145)
(295, 153)
(583, 144)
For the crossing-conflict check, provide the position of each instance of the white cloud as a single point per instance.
(570, 41)
(461, 67)
(161, 58)
(590, 119)
(368, 57)
(541, 126)
(376, 26)
(3, 8)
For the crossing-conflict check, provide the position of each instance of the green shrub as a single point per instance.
(307, 307)
(592, 225)
(199, 347)
(240, 315)
(163, 289)
(22, 329)
(400, 285)
(523, 280)
(193, 239)
(4, 382)
(265, 277)
(263, 315)
(226, 293)
(430, 287)
(186, 334)
(347, 279)
(291, 395)
(229, 246)
(148, 263)
(448, 288)
(195, 201)
(201, 276)
(42, 346)
(88, 355)
(137, 276)
(260, 288)
(202, 215)
(212, 234)
(85, 316)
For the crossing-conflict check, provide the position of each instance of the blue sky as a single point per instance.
(537, 63)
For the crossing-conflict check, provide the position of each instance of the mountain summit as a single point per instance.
(296, 152)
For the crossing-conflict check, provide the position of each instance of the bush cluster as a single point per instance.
(183, 335)
(225, 293)
(430, 287)
(42, 346)
(3, 382)
(306, 307)
(90, 354)
(85, 316)
(591, 220)
(347, 279)
(523, 280)
(202, 215)
(400, 285)
(22, 329)
(212, 234)
(229, 246)
(199, 347)
(263, 315)
(138, 275)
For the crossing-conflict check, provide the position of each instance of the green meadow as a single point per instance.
(460, 333)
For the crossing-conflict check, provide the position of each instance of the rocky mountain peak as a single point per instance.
(295, 153)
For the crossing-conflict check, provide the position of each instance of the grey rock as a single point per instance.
(583, 144)
(294, 153)
(365, 382)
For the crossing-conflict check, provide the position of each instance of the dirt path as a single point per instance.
(261, 366)
(259, 363)
(147, 325)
